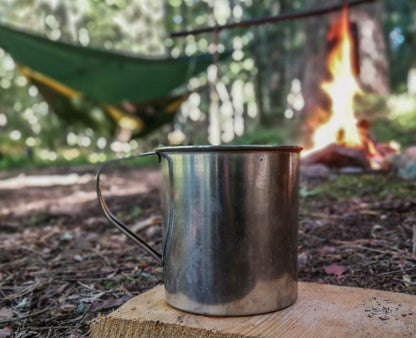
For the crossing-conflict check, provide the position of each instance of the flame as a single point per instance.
(341, 128)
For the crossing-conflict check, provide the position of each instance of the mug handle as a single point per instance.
(113, 219)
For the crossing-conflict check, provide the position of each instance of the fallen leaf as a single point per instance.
(73, 297)
(327, 250)
(6, 332)
(67, 307)
(78, 258)
(76, 335)
(58, 290)
(81, 307)
(6, 313)
(66, 237)
(109, 303)
(92, 298)
(407, 280)
(23, 304)
(302, 259)
(335, 269)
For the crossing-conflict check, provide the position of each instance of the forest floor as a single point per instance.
(62, 264)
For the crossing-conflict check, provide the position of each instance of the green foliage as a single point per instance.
(27, 123)
(392, 117)
(276, 135)
(22, 160)
(261, 64)
(386, 130)
(400, 33)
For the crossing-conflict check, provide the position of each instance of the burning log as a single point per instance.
(338, 156)
(370, 154)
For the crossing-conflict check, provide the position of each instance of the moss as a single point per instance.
(368, 187)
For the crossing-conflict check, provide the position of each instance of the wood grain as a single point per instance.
(320, 311)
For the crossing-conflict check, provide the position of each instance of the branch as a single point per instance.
(283, 17)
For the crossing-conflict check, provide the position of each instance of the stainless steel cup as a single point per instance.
(230, 227)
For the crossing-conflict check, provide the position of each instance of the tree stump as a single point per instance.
(320, 311)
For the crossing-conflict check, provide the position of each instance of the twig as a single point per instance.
(76, 275)
(89, 287)
(143, 225)
(283, 17)
(322, 215)
(310, 236)
(404, 282)
(102, 256)
(42, 328)
(27, 290)
(365, 248)
(384, 252)
(29, 315)
(95, 275)
(13, 263)
(395, 271)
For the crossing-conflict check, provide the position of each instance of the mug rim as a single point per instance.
(225, 148)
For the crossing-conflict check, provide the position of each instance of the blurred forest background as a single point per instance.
(263, 93)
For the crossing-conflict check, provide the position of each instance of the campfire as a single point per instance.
(344, 140)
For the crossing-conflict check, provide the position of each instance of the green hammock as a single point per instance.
(135, 93)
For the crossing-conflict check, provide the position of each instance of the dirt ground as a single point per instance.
(62, 264)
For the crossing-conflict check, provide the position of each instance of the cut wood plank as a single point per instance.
(320, 311)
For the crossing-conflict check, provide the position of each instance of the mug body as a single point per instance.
(230, 228)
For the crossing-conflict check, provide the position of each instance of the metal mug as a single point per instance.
(230, 227)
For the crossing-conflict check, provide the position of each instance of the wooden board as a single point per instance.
(320, 311)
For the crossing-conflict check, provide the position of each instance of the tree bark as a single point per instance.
(313, 75)
(374, 66)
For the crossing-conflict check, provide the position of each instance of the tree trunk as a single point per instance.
(314, 72)
(374, 66)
